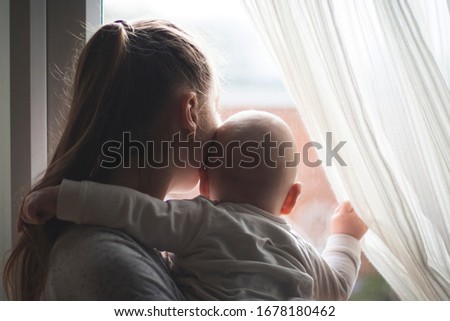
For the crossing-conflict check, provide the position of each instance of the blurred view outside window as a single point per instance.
(251, 80)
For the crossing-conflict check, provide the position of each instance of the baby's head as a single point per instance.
(258, 167)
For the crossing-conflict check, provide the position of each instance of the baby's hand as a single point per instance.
(346, 221)
(39, 206)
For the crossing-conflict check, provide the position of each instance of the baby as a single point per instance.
(232, 243)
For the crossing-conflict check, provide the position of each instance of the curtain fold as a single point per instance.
(376, 74)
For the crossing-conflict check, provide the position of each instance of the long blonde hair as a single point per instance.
(123, 77)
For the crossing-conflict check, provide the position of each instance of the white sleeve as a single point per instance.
(168, 226)
(337, 268)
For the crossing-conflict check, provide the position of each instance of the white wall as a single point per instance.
(5, 155)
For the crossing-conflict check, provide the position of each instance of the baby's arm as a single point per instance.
(168, 226)
(340, 261)
(156, 224)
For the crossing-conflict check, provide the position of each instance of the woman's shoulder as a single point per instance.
(96, 263)
(89, 240)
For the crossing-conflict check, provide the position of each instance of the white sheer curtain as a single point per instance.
(376, 73)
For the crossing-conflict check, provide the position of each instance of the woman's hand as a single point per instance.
(39, 206)
(346, 221)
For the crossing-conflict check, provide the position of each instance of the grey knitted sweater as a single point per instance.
(93, 263)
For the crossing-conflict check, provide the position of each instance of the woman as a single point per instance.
(149, 80)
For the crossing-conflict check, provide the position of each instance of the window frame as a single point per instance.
(5, 146)
(38, 34)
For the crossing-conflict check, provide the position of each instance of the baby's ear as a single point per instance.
(291, 198)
